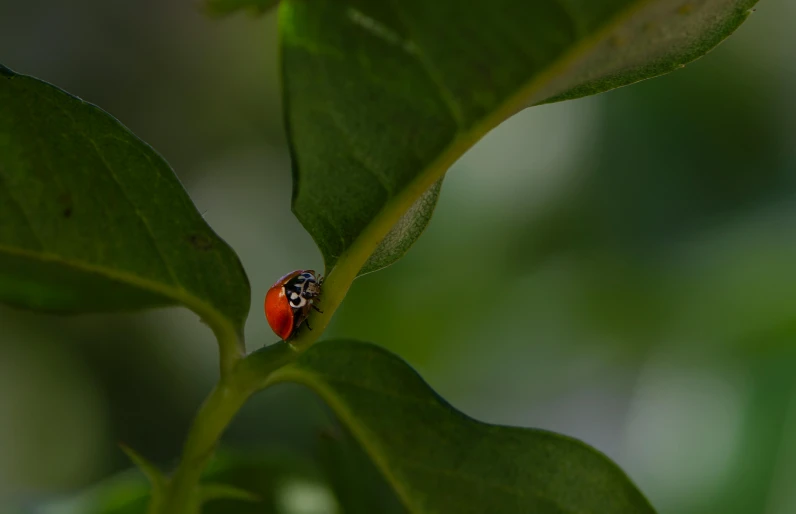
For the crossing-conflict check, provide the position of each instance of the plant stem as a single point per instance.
(253, 371)
(181, 493)
(240, 378)
(335, 287)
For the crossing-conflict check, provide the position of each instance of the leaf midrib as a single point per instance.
(463, 140)
(453, 107)
(226, 330)
(351, 261)
(315, 382)
(212, 316)
(110, 171)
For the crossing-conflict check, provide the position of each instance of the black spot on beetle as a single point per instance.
(200, 242)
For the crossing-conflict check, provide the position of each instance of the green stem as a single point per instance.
(240, 378)
(181, 493)
(335, 287)
(253, 371)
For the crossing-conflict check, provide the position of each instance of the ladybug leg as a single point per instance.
(308, 325)
(316, 308)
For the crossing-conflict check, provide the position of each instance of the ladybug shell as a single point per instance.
(278, 312)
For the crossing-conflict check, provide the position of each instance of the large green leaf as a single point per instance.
(93, 219)
(437, 459)
(359, 487)
(382, 96)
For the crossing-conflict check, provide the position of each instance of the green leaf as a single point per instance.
(212, 492)
(225, 7)
(437, 459)
(150, 470)
(405, 231)
(359, 487)
(93, 219)
(382, 96)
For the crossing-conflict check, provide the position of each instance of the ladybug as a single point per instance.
(288, 302)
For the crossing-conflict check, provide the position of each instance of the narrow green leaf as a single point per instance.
(225, 7)
(212, 492)
(382, 96)
(93, 219)
(439, 460)
(153, 474)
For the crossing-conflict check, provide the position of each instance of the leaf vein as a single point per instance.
(348, 139)
(115, 179)
(458, 474)
(447, 97)
(138, 213)
(25, 216)
(371, 389)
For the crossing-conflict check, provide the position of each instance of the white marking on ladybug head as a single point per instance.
(297, 301)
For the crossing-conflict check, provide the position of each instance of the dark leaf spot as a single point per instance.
(65, 200)
(200, 242)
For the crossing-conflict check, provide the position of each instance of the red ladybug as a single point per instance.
(288, 302)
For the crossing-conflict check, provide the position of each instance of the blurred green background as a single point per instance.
(642, 241)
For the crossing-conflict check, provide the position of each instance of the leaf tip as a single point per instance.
(215, 491)
(147, 468)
